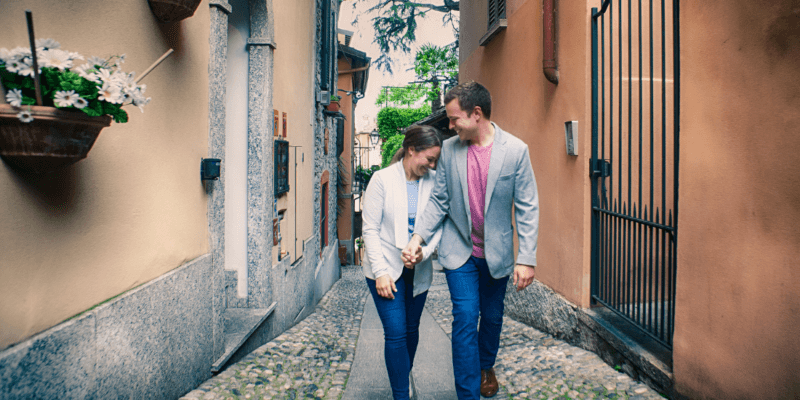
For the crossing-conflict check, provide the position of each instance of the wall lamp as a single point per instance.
(374, 136)
(356, 94)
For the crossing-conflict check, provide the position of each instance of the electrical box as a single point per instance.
(571, 137)
(210, 169)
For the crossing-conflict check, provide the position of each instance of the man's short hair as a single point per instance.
(469, 95)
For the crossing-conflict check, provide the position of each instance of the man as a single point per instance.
(480, 175)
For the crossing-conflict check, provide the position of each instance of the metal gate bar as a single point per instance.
(633, 234)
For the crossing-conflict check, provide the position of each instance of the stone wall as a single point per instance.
(153, 342)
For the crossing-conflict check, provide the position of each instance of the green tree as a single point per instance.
(396, 23)
(435, 66)
(404, 95)
(392, 120)
(390, 147)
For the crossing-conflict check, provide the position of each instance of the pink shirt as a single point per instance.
(477, 173)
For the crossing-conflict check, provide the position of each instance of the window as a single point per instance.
(497, 11)
(323, 211)
(328, 48)
(496, 17)
(281, 177)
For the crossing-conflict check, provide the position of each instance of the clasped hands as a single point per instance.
(412, 254)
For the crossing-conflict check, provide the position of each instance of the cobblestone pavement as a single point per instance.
(312, 360)
(534, 365)
(309, 361)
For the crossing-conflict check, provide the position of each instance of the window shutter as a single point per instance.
(497, 11)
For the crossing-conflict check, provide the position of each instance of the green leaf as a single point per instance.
(120, 116)
(94, 109)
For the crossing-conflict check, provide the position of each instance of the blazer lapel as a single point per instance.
(495, 164)
(400, 200)
(461, 166)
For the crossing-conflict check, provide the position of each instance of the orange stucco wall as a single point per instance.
(533, 109)
(738, 300)
(135, 208)
(344, 222)
(738, 287)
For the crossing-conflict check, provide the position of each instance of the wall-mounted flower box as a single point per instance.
(74, 102)
(173, 10)
(54, 138)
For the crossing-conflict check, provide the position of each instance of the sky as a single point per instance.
(429, 30)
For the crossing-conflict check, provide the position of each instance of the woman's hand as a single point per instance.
(385, 287)
(412, 260)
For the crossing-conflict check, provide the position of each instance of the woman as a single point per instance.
(394, 196)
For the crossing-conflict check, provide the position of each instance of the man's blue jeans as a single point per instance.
(475, 294)
(400, 318)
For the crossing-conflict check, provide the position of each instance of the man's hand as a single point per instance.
(523, 276)
(385, 287)
(412, 254)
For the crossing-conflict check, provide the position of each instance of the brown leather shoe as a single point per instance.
(489, 384)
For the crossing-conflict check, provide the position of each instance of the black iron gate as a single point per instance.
(635, 147)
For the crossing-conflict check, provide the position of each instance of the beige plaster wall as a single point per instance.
(738, 299)
(293, 93)
(533, 109)
(135, 208)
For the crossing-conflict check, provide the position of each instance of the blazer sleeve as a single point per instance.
(372, 214)
(526, 210)
(430, 222)
(430, 246)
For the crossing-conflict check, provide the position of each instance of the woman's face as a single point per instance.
(419, 162)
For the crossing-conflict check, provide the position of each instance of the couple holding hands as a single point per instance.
(465, 208)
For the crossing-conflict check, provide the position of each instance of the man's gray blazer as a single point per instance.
(510, 183)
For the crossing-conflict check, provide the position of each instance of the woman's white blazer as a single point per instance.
(385, 226)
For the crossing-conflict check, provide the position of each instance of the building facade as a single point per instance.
(670, 98)
(125, 274)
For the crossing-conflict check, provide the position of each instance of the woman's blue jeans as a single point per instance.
(400, 318)
(475, 294)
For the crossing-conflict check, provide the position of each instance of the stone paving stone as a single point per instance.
(312, 360)
(309, 361)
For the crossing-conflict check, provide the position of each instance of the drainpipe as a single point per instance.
(549, 65)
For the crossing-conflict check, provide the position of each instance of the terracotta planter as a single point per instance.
(54, 138)
(173, 10)
(333, 106)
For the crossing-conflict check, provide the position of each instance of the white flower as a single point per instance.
(25, 67)
(5, 54)
(14, 97)
(110, 93)
(47, 44)
(20, 52)
(138, 99)
(87, 71)
(65, 98)
(96, 62)
(75, 56)
(25, 116)
(126, 81)
(104, 74)
(80, 102)
(55, 59)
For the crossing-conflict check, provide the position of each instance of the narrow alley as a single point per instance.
(337, 353)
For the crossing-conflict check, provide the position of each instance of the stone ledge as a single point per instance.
(240, 323)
